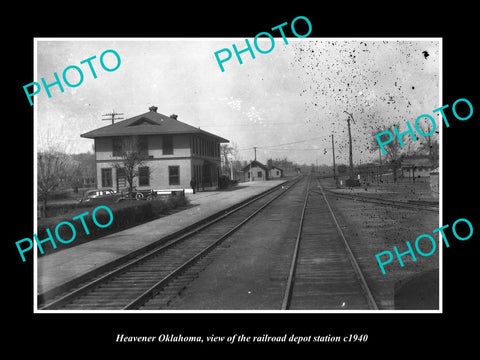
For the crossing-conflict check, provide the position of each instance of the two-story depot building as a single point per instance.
(173, 153)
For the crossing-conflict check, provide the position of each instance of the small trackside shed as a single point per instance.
(275, 172)
(255, 171)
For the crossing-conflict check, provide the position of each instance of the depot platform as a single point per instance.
(63, 268)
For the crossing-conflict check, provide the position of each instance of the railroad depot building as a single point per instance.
(174, 153)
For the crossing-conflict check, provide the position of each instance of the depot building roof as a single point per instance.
(255, 163)
(149, 123)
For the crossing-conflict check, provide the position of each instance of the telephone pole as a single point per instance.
(333, 151)
(111, 116)
(350, 116)
(250, 171)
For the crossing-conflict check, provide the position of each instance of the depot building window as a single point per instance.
(167, 146)
(106, 177)
(143, 176)
(174, 175)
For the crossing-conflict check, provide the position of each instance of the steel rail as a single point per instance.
(156, 288)
(125, 267)
(368, 294)
(291, 275)
(388, 202)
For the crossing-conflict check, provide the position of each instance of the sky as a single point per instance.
(287, 103)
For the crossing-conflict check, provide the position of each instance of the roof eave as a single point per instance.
(91, 135)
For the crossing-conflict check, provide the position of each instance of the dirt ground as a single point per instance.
(403, 190)
(373, 228)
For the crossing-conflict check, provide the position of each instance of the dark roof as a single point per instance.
(275, 167)
(417, 162)
(149, 123)
(255, 163)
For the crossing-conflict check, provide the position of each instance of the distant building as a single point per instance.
(416, 166)
(174, 153)
(275, 172)
(255, 171)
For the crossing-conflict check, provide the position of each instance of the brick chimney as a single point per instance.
(153, 108)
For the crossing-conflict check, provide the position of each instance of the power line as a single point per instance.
(111, 116)
(292, 143)
(296, 149)
(235, 125)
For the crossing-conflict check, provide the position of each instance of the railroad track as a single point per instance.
(394, 203)
(324, 273)
(133, 284)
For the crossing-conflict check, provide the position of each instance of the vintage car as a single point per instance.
(101, 195)
(110, 195)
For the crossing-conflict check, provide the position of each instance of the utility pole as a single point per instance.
(250, 172)
(350, 116)
(111, 116)
(251, 175)
(333, 151)
(379, 165)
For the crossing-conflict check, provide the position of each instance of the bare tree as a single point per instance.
(229, 159)
(429, 145)
(234, 163)
(86, 169)
(225, 151)
(53, 169)
(392, 152)
(374, 145)
(132, 156)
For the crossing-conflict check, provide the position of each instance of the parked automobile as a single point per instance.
(110, 195)
(100, 195)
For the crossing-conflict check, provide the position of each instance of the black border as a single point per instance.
(402, 333)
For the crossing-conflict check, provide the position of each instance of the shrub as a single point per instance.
(125, 214)
(223, 182)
